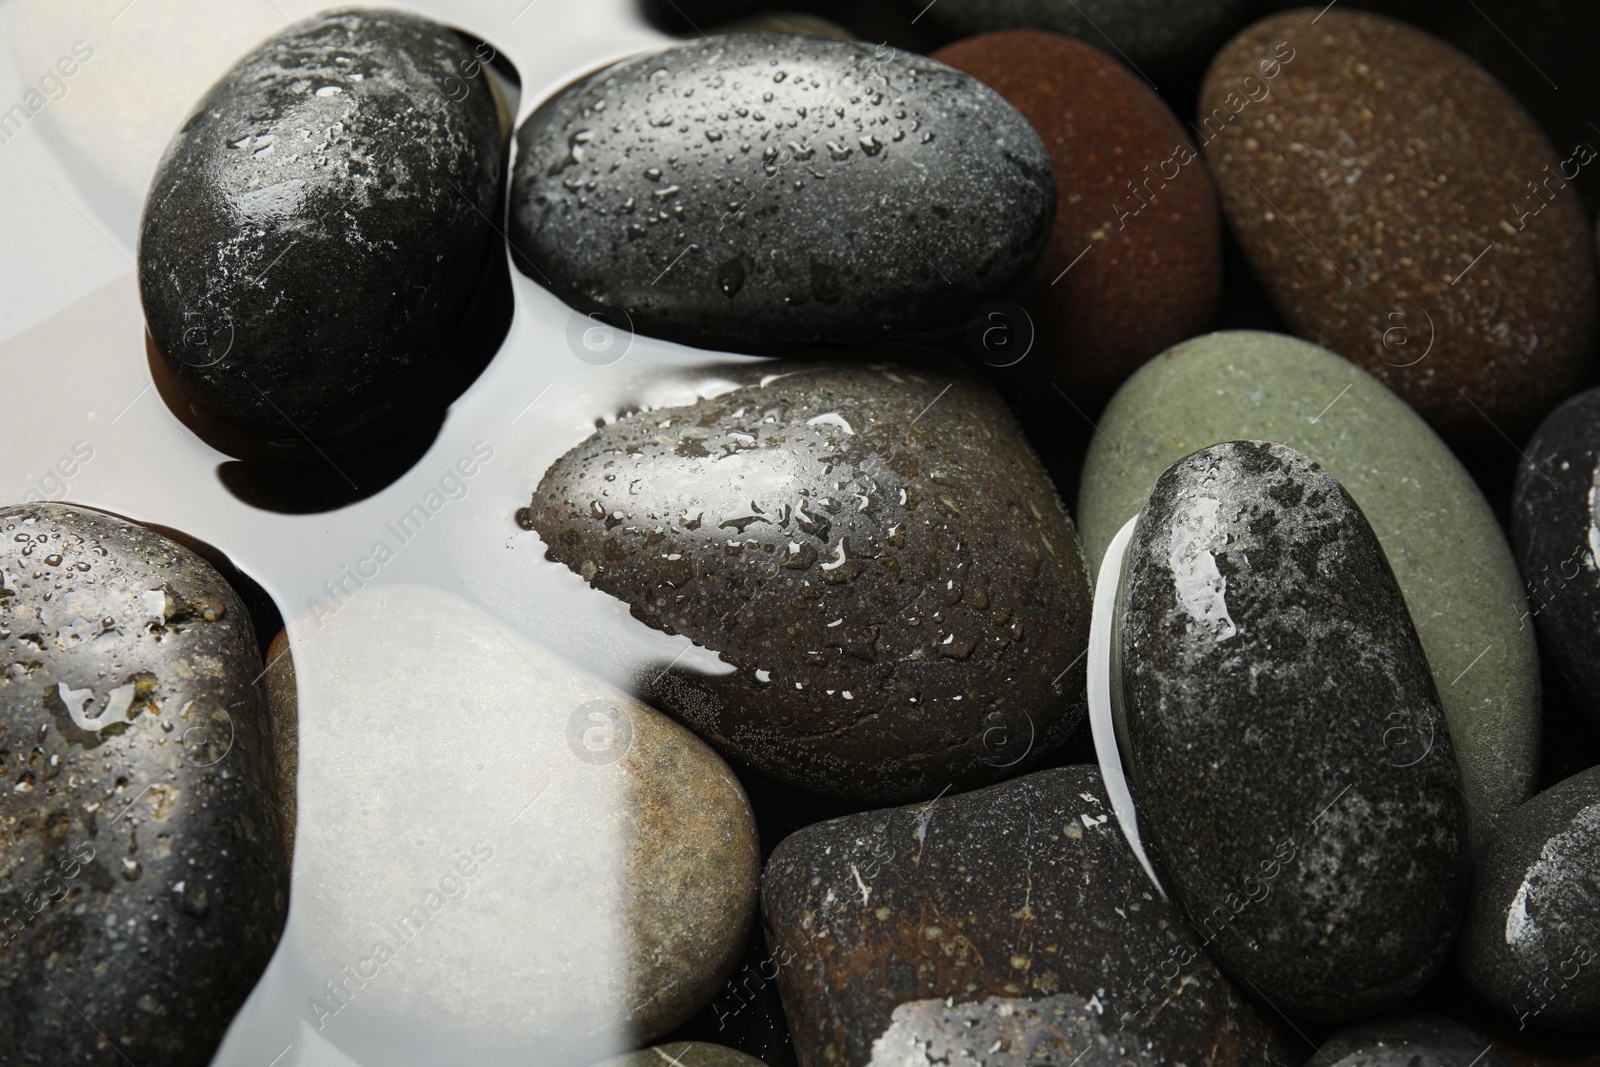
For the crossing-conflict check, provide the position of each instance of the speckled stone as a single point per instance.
(1134, 263)
(1408, 1041)
(1277, 712)
(683, 1054)
(319, 224)
(283, 711)
(1531, 945)
(1555, 526)
(1157, 33)
(773, 190)
(1386, 188)
(977, 913)
(1438, 533)
(144, 884)
(874, 551)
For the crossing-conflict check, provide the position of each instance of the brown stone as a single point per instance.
(1402, 209)
(875, 553)
(283, 712)
(1136, 214)
(944, 919)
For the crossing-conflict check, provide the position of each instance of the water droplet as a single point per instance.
(730, 276)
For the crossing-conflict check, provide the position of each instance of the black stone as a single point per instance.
(1531, 945)
(1408, 1041)
(1283, 736)
(1143, 33)
(874, 550)
(145, 883)
(1555, 530)
(1013, 919)
(320, 223)
(762, 190)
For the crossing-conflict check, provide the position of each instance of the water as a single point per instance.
(434, 646)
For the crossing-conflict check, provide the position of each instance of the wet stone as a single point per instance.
(1409, 1041)
(683, 1054)
(1531, 945)
(1013, 918)
(767, 190)
(144, 876)
(1277, 715)
(1555, 525)
(1134, 263)
(873, 551)
(1403, 210)
(319, 224)
(1439, 534)
(1157, 33)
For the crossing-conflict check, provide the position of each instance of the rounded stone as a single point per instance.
(1134, 262)
(1408, 1041)
(683, 1054)
(1555, 526)
(1403, 210)
(491, 832)
(893, 591)
(768, 190)
(1438, 533)
(1277, 715)
(1531, 945)
(145, 883)
(1006, 926)
(319, 224)
(1155, 33)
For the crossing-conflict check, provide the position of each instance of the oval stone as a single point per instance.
(1409, 1041)
(1277, 715)
(145, 883)
(319, 224)
(1555, 525)
(1013, 918)
(1440, 537)
(1531, 945)
(1157, 33)
(683, 1054)
(1134, 262)
(1403, 210)
(767, 190)
(588, 882)
(873, 551)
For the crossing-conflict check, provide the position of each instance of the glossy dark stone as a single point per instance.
(1555, 529)
(768, 190)
(1283, 736)
(144, 883)
(1531, 945)
(1408, 1041)
(320, 223)
(1013, 914)
(1155, 33)
(874, 550)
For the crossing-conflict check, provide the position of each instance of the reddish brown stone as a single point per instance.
(1402, 209)
(1131, 189)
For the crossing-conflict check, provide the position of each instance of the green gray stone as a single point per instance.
(1448, 553)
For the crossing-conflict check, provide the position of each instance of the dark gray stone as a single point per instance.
(1283, 736)
(144, 882)
(873, 549)
(1408, 1041)
(1555, 529)
(769, 190)
(1531, 944)
(320, 223)
(1143, 33)
(1010, 925)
